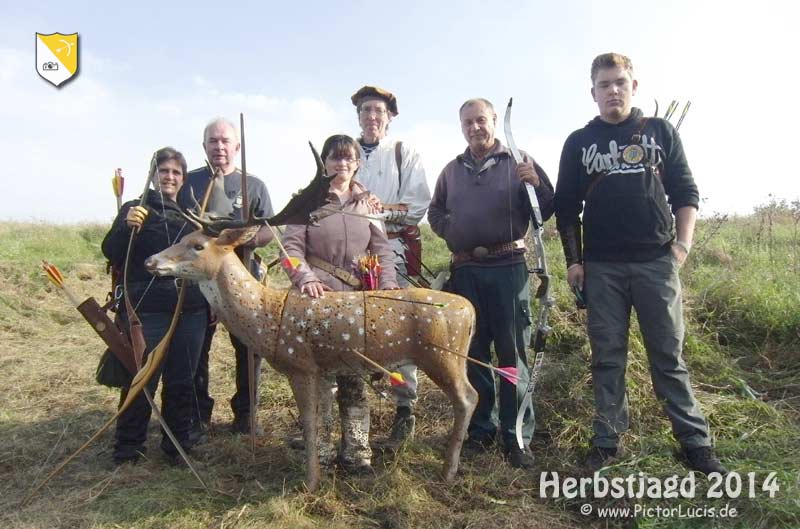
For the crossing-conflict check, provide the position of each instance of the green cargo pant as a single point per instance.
(652, 288)
(501, 297)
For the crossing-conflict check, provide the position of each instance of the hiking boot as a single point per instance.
(174, 459)
(518, 458)
(198, 435)
(475, 446)
(123, 460)
(702, 459)
(241, 425)
(128, 454)
(602, 456)
(402, 429)
(362, 467)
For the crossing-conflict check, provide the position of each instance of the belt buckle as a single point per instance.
(480, 252)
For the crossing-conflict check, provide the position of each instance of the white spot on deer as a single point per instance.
(351, 320)
(429, 298)
(326, 310)
(281, 341)
(388, 332)
(309, 311)
(402, 317)
(326, 323)
(259, 331)
(359, 311)
(290, 350)
(315, 331)
(361, 331)
(299, 338)
(346, 336)
(301, 324)
(339, 316)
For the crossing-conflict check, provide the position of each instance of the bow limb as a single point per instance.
(138, 385)
(512, 145)
(247, 257)
(543, 296)
(134, 323)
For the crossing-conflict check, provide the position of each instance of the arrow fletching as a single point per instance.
(290, 264)
(53, 274)
(396, 379)
(118, 182)
(508, 373)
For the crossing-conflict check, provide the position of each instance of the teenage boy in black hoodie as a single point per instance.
(629, 176)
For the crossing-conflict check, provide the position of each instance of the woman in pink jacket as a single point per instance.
(328, 252)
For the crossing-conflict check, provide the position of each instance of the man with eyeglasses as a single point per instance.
(221, 144)
(393, 172)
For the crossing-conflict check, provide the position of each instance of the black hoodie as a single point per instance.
(626, 215)
(163, 227)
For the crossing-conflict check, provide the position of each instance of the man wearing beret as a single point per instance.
(393, 172)
(480, 207)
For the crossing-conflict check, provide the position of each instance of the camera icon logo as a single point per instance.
(50, 66)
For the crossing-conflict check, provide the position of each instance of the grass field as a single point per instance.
(743, 351)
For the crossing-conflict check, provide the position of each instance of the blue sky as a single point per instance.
(152, 76)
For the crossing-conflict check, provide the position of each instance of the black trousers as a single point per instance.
(240, 402)
(177, 370)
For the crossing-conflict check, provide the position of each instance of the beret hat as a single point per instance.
(377, 92)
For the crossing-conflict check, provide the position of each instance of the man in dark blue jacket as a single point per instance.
(221, 144)
(629, 177)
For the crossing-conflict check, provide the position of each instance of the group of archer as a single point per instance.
(625, 204)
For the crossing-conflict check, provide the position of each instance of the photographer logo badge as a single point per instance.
(57, 57)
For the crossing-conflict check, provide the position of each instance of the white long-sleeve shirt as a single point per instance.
(379, 174)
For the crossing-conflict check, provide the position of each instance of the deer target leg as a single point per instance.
(305, 388)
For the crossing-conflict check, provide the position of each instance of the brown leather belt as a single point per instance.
(394, 235)
(335, 271)
(483, 252)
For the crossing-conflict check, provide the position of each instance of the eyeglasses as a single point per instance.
(369, 111)
(335, 159)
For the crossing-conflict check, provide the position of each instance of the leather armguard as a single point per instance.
(572, 243)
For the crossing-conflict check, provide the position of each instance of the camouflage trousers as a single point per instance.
(354, 413)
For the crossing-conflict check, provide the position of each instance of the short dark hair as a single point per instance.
(165, 154)
(610, 60)
(338, 145)
(475, 101)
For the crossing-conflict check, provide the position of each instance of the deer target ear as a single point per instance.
(237, 236)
